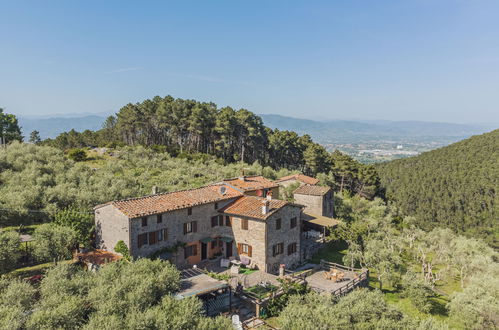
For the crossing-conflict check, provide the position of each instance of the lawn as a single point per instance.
(34, 270)
(334, 252)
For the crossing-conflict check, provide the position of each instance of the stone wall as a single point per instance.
(285, 235)
(318, 205)
(174, 223)
(254, 236)
(111, 226)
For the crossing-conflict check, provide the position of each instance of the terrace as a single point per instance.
(332, 278)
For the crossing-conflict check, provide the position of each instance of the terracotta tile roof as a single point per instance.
(312, 190)
(299, 177)
(251, 183)
(251, 207)
(97, 257)
(160, 203)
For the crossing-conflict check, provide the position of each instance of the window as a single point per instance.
(189, 211)
(190, 251)
(264, 193)
(141, 240)
(216, 206)
(190, 227)
(277, 249)
(293, 223)
(278, 224)
(214, 221)
(153, 235)
(244, 249)
(291, 248)
(162, 235)
(214, 244)
(159, 219)
(144, 221)
(220, 220)
(228, 221)
(244, 224)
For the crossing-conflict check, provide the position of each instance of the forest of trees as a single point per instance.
(454, 187)
(182, 127)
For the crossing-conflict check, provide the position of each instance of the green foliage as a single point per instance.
(81, 221)
(40, 178)
(16, 297)
(9, 250)
(477, 306)
(415, 288)
(290, 288)
(78, 155)
(122, 248)
(454, 187)
(53, 242)
(34, 137)
(361, 309)
(9, 127)
(136, 295)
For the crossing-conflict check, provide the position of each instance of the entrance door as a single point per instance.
(228, 249)
(204, 251)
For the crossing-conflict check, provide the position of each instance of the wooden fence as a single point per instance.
(361, 280)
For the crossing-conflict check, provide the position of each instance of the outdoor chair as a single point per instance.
(224, 263)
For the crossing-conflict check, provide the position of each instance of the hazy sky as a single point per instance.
(433, 60)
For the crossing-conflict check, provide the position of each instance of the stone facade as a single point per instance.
(319, 205)
(111, 226)
(260, 235)
(285, 235)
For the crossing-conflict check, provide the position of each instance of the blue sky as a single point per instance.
(432, 60)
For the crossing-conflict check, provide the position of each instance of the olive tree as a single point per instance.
(477, 306)
(9, 250)
(53, 242)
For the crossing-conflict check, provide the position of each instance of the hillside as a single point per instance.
(455, 186)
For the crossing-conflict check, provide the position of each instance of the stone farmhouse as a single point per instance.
(237, 217)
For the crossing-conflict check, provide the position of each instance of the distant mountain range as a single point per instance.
(345, 131)
(338, 131)
(50, 127)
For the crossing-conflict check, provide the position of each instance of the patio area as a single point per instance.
(333, 278)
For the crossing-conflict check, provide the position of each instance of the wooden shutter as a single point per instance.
(185, 228)
(152, 237)
(214, 221)
(194, 250)
(220, 220)
(239, 248)
(194, 226)
(165, 234)
(250, 251)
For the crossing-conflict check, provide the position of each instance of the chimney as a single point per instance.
(269, 195)
(154, 190)
(242, 177)
(265, 206)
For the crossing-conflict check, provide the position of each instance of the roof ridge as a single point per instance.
(162, 194)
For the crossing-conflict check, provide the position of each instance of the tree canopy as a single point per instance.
(9, 127)
(121, 295)
(453, 187)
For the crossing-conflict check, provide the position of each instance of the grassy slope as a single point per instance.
(334, 252)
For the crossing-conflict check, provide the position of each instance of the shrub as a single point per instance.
(77, 154)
